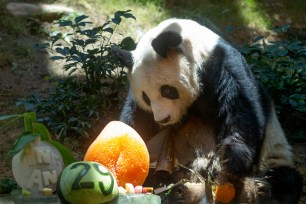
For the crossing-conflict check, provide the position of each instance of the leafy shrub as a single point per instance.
(281, 66)
(86, 52)
(67, 110)
(7, 185)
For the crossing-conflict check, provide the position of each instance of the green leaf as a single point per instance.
(90, 41)
(282, 53)
(80, 131)
(78, 42)
(42, 131)
(292, 102)
(117, 17)
(6, 117)
(109, 30)
(65, 152)
(63, 51)
(12, 118)
(65, 23)
(80, 18)
(129, 15)
(72, 71)
(128, 44)
(56, 58)
(84, 23)
(41, 46)
(258, 38)
(24, 139)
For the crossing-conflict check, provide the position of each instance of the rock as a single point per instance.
(46, 12)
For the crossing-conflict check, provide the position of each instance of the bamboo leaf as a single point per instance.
(65, 152)
(12, 119)
(42, 131)
(6, 117)
(24, 139)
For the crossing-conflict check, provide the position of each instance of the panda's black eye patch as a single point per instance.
(146, 98)
(169, 92)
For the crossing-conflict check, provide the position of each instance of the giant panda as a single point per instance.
(187, 82)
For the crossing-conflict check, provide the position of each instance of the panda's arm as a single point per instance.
(240, 110)
(142, 121)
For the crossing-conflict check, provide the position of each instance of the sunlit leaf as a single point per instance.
(67, 155)
(42, 131)
(24, 139)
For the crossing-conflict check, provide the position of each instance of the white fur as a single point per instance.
(150, 71)
(275, 150)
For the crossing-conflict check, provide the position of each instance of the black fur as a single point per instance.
(142, 121)
(164, 41)
(241, 107)
(287, 184)
(125, 57)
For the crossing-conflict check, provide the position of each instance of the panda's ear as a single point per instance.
(124, 56)
(166, 40)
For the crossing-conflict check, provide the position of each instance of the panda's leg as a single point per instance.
(280, 185)
(277, 165)
(285, 184)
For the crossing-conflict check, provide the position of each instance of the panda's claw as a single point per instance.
(263, 188)
(260, 185)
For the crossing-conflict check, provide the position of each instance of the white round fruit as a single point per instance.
(37, 167)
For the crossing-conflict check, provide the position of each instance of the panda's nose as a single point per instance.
(163, 121)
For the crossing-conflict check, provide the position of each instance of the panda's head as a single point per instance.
(163, 69)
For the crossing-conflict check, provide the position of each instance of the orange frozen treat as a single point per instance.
(121, 149)
(224, 193)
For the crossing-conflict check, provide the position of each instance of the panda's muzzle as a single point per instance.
(163, 121)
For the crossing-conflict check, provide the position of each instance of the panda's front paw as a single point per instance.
(263, 188)
(188, 193)
(175, 196)
(236, 158)
(254, 190)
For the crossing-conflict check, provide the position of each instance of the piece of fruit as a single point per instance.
(86, 182)
(224, 193)
(37, 166)
(121, 149)
(129, 188)
(122, 190)
(46, 191)
(147, 190)
(138, 189)
(25, 192)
